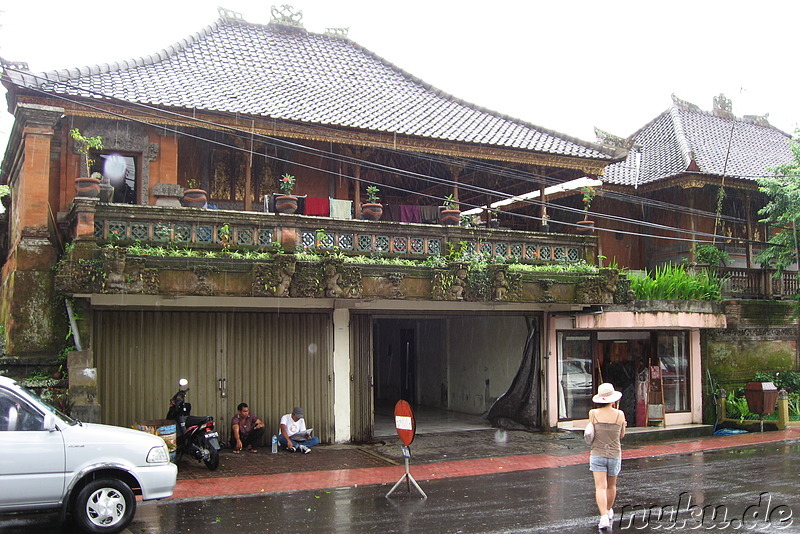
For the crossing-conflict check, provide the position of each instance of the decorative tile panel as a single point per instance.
(434, 246)
(327, 241)
(516, 250)
(486, 248)
(346, 241)
(417, 245)
(399, 245)
(530, 252)
(573, 255)
(244, 235)
(559, 254)
(308, 240)
(501, 250)
(265, 237)
(118, 228)
(364, 243)
(140, 231)
(544, 253)
(472, 247)
(382, 243)
(183, 233)
(204, 233)
(98, 229)
(162, 233)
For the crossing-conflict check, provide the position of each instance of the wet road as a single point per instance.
(752, 489)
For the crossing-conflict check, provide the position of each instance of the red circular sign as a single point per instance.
(404, 422)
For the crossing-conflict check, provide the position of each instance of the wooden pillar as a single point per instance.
(748, 246)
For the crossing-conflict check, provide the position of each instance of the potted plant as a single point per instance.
(194, 196)
(449, 213)
(588, 193)
(494, 218)
(372, 209)
(286, 202)
(87, 185)
(545, 226)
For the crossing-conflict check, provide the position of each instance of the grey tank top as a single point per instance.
(606, 439)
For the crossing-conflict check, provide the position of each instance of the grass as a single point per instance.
(675, 282)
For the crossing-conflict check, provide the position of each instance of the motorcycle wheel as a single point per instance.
(213, 458)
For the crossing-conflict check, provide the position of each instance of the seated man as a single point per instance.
(246, 429)
(293, 435)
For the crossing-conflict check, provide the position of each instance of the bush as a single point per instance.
(675, 282)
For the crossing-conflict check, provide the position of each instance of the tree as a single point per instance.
(782, 210)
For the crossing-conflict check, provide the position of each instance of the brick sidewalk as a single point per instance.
(357, 466)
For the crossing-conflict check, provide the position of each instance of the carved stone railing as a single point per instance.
(213, 229)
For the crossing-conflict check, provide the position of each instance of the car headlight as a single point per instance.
(158, 455)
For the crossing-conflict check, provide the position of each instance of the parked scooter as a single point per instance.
(196, 434)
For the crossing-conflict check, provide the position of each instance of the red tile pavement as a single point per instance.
(255, 484)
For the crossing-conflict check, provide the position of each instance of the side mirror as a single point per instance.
(49, 422)
(183, 382)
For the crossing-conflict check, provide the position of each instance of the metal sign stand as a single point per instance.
(407, 476)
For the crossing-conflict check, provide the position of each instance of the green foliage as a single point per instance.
(450, 203)
(706, 253)
(588, 194)
(788, 380)
(736, 407)
(675, 282)
(85, 144)
(193, 183)
(372, 194)
(286, 184)
(4, 191)
(782, 210)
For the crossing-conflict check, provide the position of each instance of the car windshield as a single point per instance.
(59, 415)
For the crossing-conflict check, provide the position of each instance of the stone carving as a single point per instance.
(499, 284)
(332, 277)
(274, 279)
(459, 283)
(392, 281)
(202, 286)
(114, 266)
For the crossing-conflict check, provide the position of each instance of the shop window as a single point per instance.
(673, 358)
(574, 375)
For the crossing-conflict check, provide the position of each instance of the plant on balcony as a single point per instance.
(286, 202)
(449, 213)
(372, 209)
(587, 196)
(676, 282)
(711, 255)
(87, 186)
(194, 196)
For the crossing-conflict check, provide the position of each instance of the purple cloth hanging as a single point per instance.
(410, 214)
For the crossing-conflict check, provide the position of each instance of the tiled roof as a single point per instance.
(291, 74)
(684, 138)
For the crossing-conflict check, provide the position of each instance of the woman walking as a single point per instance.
(605, 458)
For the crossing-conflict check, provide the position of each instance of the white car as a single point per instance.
(90, 472)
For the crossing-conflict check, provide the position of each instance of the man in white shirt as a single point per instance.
(293, 434)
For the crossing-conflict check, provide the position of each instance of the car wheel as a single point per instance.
(104, 505)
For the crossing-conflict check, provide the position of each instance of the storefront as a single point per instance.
(652, 357)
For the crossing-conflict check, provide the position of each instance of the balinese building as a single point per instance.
(253, 304)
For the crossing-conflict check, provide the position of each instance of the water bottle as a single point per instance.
(274, 444)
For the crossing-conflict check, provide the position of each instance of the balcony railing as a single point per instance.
(757, 283)
(213, 229)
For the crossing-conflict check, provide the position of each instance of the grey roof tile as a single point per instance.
(291, 74)
(668, 144)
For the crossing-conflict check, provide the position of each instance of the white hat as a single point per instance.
(606, 394)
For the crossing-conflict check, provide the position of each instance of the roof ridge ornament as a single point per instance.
(229, 14)
(286, 14)
(14, 65)
(683, 104)
(614, 141)
(337, 32)
(723, 107)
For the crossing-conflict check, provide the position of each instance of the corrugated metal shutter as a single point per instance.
(362, 421)
(272, 361)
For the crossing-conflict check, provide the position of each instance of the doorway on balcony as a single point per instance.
(451, 369)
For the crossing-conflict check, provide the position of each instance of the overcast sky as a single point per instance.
(565, 65)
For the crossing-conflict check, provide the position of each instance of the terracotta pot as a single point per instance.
(371, 211)
(87, 187)
(585, 227)
(194, 198)
(285, 204)
(449, 217)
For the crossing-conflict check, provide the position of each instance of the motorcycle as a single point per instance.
(196, 434)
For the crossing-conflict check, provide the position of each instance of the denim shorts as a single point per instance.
(612, 466)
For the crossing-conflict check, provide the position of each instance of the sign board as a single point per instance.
(404, 422)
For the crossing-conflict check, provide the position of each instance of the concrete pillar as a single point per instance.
(783, 409)
(341, 375)
(722, 397)
(83, 386)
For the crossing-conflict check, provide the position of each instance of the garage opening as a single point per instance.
(451, 369)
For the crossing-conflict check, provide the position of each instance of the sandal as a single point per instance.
(237, 451)
(252, 450)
